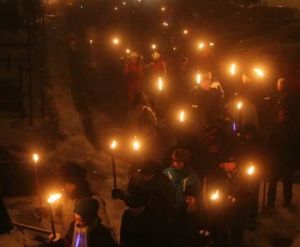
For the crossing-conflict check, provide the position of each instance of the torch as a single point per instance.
(113, 146)
(215, 196)
(239, 107)
(160, 84)
(198, 78)
(259, 72)
(251, 170)
(36, 159)
(51, 200)
(233, 69)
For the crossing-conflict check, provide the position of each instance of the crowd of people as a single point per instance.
(205, 189)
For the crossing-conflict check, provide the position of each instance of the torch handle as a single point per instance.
(52, 223)
(240, 121)
(37, 185)
(113, 162)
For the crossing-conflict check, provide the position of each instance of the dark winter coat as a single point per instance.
(144, 230)
(99, 235)
(5, 223)
(161, 194)
(283, 146)
(188, 229)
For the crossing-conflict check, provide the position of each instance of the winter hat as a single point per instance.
(148, 167)
(72, 172)
(191, 191)
(137, 198)
(134, 54)
(87, 208)
(250, 129)
(181, 155)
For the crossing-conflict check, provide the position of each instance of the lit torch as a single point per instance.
(36, 159)
(239, 107)
(259, 72)
(116, 41)
(181, 116)
(232, 69)
(160, 84)
(51, 200)
(136, 145)
(201, 45)
(251, 170)
(198, 78)
(215, 196)
(113, 147)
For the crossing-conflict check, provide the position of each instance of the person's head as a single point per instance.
(281, 84)
(180, 158)
(85, 212)
(183, 64)
(282, 116)
(206, 81)
(139, 99)
(137, 200)
(74, 181)
(156, 56)
(191, 197)
(148, 170)
(133, 57)
(250, 132)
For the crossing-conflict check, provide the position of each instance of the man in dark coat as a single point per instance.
(86, 230)
(189, 227)
(161, 195)
(283, 145)
(6, 239)
(140, 226)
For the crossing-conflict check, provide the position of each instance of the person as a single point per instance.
(161, 194)
(252, 150)
(181, 174)
(283, 147)
(6, 236)
(189, 226)
(210, 99)
(76, 187)
(141, 117)
(140, 226)
(158, 66)
(133, 72)
(86, 230)
(227, 200)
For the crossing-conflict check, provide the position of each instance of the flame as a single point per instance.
(181, 116)
(198, 78)
(35, 158)
(53, 198)
(185, 31)
(116, 41)
(153, 46)
(128, 51)
(215, 196)
(201, 45)
(251, 170)
(160, 84)
(136, 145)
(233, 69)
(259, 72)
(114, 144)
(239, 105)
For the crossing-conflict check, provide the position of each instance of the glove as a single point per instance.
(117, 194)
